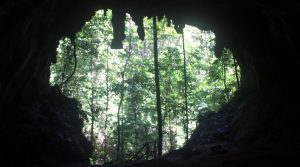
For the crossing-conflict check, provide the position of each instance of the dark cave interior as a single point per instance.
(261, 34)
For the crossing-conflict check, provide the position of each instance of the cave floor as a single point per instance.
(267, 155)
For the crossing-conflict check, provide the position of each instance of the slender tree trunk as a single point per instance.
(92, 108)
(92, 127)
(224, 80)
(236, 73)
(107, 101)
(118, 114)
(134, 106)
(122, 134)
(167, 115)
(64, 69)
(171, 140)
(168, 101)
(214, 96)
(185, 90)
(106, 108)
(135, 130)
(144, 52)
(157, 86)
(119, 108)
(121, 99)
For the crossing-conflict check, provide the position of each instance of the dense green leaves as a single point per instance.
(101, 79)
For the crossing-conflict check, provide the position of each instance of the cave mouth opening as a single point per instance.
(116, 87)
(38, 123)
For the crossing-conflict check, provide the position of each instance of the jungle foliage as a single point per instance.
(116, 88)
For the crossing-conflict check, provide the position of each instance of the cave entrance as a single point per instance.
(116, 87)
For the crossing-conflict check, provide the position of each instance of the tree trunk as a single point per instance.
(122, 135)
(106, 108)
(158, 103)
(171, 140)
(135, 130)
(236, 73)
(92, 108)
(64, 69)
(168, 101)
(224, 79)
(119, 107)
(185, 90)
(214, 96)
(121, 99)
